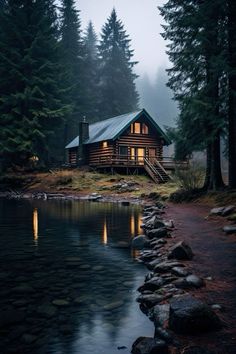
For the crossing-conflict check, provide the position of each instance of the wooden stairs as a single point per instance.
(156, 171)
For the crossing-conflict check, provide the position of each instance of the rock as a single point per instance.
(181, 251)
(169, 224)
(151, 299)
(152, 285)
(157, 233)
(196, 350)
(163, 334)
(195, 281)
(148, 345)
(164, 267)
(10, 317)
(216, 307)
(223, 211)
(151, 265)
(154, 223)
(113, 305)
(217, 211)
(60, 302)
(228, 210)
(140, 242)
(189, 315)
(47, 311)
(160, 314)
(230, 229)
(180, 271)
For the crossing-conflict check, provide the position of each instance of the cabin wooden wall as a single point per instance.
(97, 154)
(72, 156)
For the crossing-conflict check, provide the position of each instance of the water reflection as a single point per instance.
(104, 235)
(70, 264)
(35, 226)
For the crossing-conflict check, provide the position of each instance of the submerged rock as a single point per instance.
(189, 315)
(148, 345)
(181, 251)
(113, 305)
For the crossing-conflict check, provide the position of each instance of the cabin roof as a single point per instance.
(110, 129)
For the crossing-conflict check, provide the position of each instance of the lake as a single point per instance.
(68, 279)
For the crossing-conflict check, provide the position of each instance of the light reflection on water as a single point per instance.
(82, 256)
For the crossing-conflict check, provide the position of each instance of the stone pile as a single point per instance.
(228, 211)
(164, 296)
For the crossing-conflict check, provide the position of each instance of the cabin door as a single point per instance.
(138, 154)
(152, 154)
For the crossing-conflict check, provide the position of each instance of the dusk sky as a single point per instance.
(142, 22)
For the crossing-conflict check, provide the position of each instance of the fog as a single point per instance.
(142, 22)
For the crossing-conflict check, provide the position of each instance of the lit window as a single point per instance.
(144, 129)
(135, 128)
(104, 144)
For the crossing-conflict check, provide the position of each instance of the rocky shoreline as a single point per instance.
(167, 294)
(93, 197)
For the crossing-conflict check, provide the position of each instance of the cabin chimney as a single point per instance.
(83, 136)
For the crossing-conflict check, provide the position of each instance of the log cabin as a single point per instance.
(130, 142)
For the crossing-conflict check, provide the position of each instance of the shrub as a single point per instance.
(191, 178)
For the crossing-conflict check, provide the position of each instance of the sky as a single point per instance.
(142, 22)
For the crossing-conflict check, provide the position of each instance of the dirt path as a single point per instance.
(215, 256)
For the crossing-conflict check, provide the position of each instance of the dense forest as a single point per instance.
(53, 74)
(202, 50)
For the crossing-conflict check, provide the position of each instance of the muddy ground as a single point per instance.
(215, 257)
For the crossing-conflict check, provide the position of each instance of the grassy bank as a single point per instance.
(82, 182)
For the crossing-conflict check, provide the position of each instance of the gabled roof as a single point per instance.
(111, 129)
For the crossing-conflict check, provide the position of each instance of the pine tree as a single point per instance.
(194, 29)
(232, 91)
(30, 95)
(91, 84)
(72, 53)
(117, 79)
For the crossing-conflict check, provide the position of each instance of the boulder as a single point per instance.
(228, 210)
(160, 315)
(217, 211)
(223, 211)
(154, 223)
(157, 233)
(195, 281)
(167, 266)
(189, 315)
(140, 242)
(148, 345)
(151, 300)
(181, 251)
(153, 284)
(229, 229)
(180, 271)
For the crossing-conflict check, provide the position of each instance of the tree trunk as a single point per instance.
(232, 92)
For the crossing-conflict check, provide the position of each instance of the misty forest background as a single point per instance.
(53, 73)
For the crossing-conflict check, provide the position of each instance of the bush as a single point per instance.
(191, 178)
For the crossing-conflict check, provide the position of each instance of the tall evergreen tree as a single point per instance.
(232, 91)
(117, 79)
(30, 95)
(194, 29)
(72, 55)
(91, 83)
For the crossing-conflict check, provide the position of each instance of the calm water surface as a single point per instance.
(68, 281)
